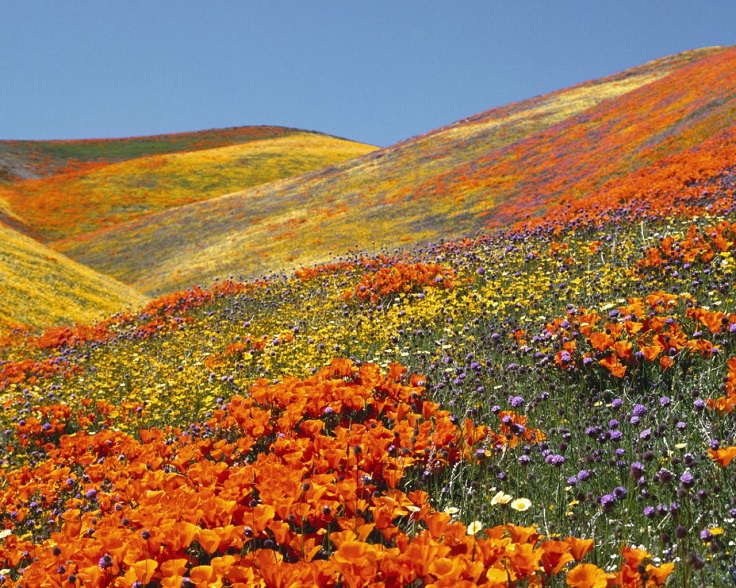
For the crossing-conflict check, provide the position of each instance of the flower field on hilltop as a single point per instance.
(97, 195)
(40, 159)
(554, 405)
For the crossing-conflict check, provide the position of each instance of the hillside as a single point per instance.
(488, 170)
(105, 195)
(41, 288)
(21, 160)
(529, 404)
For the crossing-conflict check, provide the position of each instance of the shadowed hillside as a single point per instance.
(489, 170)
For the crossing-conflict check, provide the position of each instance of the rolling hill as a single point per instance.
(489, 170)
(40, 287)
(21, 160)
(62, 189)
(53, 189)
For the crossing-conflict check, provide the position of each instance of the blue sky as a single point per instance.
(374, 71)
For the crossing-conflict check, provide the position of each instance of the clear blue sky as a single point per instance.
(375, 71)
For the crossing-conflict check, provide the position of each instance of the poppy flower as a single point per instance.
(723, 456)
(586, 575)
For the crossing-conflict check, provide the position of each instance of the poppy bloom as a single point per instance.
(586, 575)
(723, 456)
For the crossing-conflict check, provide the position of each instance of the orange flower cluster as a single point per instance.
(646, 332)
(697, 246)
(681, 185)
(402, 277)
(307, 273)
(635, 573)
(300, 483)
(47, 422)
(727, 403)
(165, 313)
(29, 371)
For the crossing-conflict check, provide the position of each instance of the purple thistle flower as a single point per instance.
(637, 470)
(687, 480)
(555, 460)
(664, 476)
(607, 502)
(639, 410)
(583, 475)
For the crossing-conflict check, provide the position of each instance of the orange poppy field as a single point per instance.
(543, 395)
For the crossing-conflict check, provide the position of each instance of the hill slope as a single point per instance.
(105, 194)
(41, 288)
(488, 170)
(22, 160)
(526, 405)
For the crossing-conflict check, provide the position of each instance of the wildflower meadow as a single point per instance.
(547, 403)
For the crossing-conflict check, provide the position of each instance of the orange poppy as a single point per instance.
(613, 365)
(579, 547)
(659, 574)
(555, 555)
(586, 575)
(723, 456)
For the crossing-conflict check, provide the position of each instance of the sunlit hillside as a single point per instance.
(485, 171)
(104, 194)
(21, 160)
(41, 288)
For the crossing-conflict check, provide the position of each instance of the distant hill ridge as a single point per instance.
(83, 186)
(37, 159)
(53, 189)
